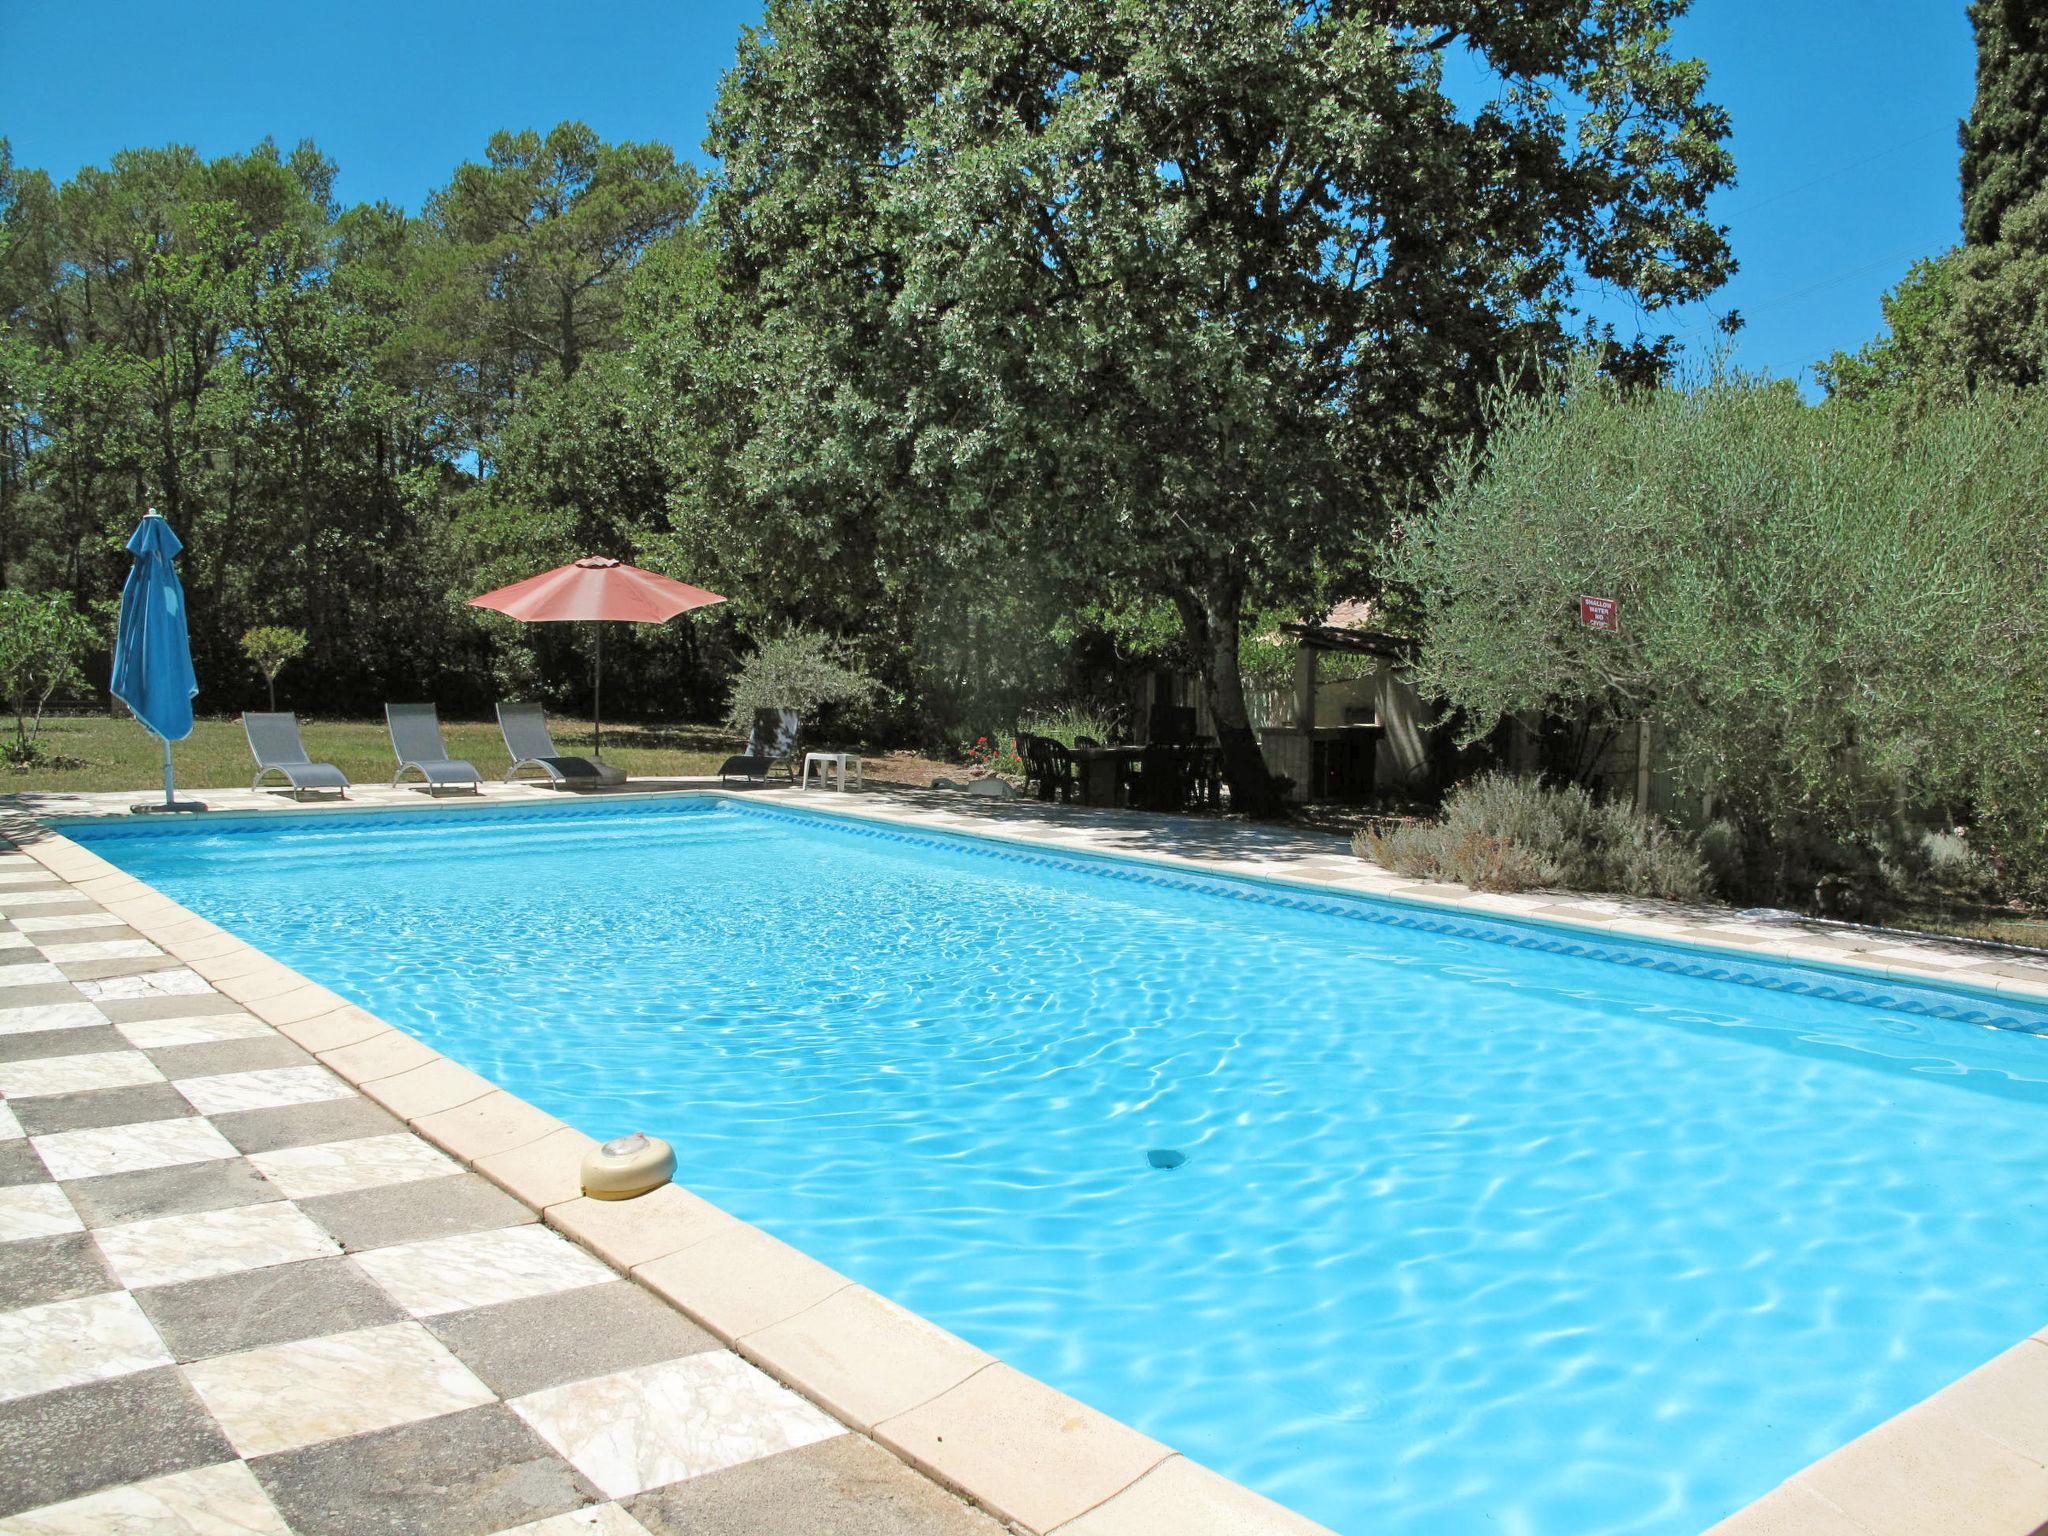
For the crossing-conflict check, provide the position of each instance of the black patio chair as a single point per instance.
(1055, 769)
(772, 742)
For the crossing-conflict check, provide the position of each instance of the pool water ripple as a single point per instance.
(1467, 1237)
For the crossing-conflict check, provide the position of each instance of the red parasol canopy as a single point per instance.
(596, 588)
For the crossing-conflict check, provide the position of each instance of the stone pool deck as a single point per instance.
(268, 1265)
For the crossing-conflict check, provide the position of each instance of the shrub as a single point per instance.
(270, 648)
(1066, 726)
(798, 669)
(41, 638)
(1502, 833)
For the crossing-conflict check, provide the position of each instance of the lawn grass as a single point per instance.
(92, 752)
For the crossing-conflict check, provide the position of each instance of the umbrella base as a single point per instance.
(160, 807)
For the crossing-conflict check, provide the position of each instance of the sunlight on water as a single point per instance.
(1464, 1237)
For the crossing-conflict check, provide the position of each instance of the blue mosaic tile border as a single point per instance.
(1962, 1005)
(1959, 1003)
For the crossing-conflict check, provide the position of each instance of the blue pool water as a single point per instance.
(1470, 1235)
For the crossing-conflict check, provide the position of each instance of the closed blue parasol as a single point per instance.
(152, 652)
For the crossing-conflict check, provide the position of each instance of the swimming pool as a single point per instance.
(1471, 1233)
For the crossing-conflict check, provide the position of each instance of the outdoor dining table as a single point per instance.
(1099, 771)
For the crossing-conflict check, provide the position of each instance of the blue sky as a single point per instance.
(1845, 113)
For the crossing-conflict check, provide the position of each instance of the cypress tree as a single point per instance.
(2005, 138)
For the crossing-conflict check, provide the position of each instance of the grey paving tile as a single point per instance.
(404, 1213)
(522, 1346)
(250, 1055)
(29, 956)
(113, 1199)
(85, 935)
(463, 1474)
(845, 1486)
(101, 1107)
(59, 1445)
(305, 1125)
(20, 1165)
(132, 1010)
(229, 1313)
(39, 1043)
(40, 1269)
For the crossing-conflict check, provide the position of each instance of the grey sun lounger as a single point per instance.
(416, 738)
(274, 739)
(526, 738)
(772, 741)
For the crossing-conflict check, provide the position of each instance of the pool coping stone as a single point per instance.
(1026, 1452)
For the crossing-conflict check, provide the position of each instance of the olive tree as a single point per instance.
(1829, 613)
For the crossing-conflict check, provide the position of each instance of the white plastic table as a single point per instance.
(838, 763)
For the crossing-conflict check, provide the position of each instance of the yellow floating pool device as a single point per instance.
(628, 1166)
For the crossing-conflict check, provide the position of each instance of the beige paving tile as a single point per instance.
(1022, 1450)
(130, 1148)
(2006, 1399)
(169, 1249)
(222, 1500)
(741, 1281)
(1788, 1511)
(863, 1357)
(480, 1269)
(44, 1076)
(492, 1122)
(336, 1167)
(1927, 1471)
(263, 978)
(267, 1088)
(1183, 1498)
(381, 1055)
(327, 1031)
(289, 1395)
(35, 1210)
(426, 1090)
(68, 1343)
(628, 1233)
(662, 1423)
(304, 1002)
(542, 1173)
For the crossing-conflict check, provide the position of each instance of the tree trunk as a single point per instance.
(1211, 619)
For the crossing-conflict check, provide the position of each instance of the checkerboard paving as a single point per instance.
(238, 1297)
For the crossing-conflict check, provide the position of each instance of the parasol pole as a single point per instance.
(597, 690)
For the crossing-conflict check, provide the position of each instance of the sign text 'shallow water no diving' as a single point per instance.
(1600, 613)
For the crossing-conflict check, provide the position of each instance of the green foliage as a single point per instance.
(269, 648)
(2005, 141)
(1977, 316)
(1828, 613)
(1913, 347)
(41, 640)
(1068, 725)
(799, 669)
(1178, 302)
(1502, 833)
